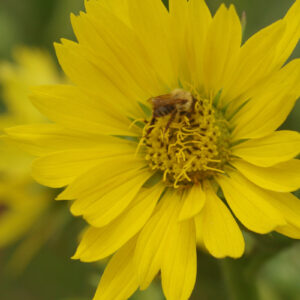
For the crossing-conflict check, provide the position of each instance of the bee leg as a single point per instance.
(170, 120)
(193, 105)
(152, 122)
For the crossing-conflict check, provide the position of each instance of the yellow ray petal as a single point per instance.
(98, 243)
(119, 280)
(156, 37)
(79, 65)
(149, 250)
(61, 168)
(194, 200)
(290, 231)
(129, 70)
(221, 234)
(283, 177)
(21, 209)
(250, 204)
(109, 206)
(287, 79)
(291, 35)
(254, 61)
(179, 22)
(96, 189)
(224, 33)
(92, 192)
(199, 18)
(177, 6)
(73, 109)
(270, 150)
(118, 7)
(199, 234)
(262, 115)
(32, 67)
(288, 205)
(41, 139)
(179, 264)
(265, 52)
(270, 104)
(100, 178)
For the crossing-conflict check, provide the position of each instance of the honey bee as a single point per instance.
(178, 101)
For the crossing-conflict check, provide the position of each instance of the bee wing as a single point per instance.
(165, 100)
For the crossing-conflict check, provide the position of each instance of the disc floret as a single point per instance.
(194, 146)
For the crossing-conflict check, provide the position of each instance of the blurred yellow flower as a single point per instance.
(146, 183)
(21, 200)
(31, 67)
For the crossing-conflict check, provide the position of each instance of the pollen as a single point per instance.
(192, 147)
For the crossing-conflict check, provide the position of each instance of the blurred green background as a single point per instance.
(272, 272)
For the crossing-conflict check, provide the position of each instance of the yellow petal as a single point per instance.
(177, 6)
(260, 117)
(254, 61)
(288, 205)
(283, 177)
(61, 168)
(290, 231)
(270, 150)
(286, 78)
(154, 33)
(224, 33)
(119, 280)
(101, 177)
(129, 70)
(98, 243)
(118, 7)
(107, 206)
(291, 35)
(199, 18)
(73, 109)
(80, 66)
(199, 234)
(149, 250)
(179, 36)
(250, 204)
(194, 200)
(22, 210)
(96, 187)
(41, 139)
(179, 265)
(221, 235)
(264, 53)
(270, 104)
(277, 85)
(32, 67)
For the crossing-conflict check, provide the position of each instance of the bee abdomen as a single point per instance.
(164, 110)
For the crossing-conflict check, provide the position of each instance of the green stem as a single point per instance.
(240, 284)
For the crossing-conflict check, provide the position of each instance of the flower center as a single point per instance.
(186, 144)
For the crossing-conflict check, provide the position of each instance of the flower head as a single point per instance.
(167, 109)
(21, 202)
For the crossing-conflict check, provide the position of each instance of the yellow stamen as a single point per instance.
(165, 175)
(214, 169)
(136, 121)
(141, 142)
(214, 160)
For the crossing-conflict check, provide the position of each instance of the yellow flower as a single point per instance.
(22, 202)
(146, 183)
(32, 67)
